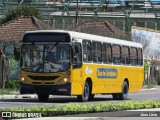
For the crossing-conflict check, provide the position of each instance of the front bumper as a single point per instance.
(46, 89)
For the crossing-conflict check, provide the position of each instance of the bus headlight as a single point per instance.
(65, 79)
(22, 78)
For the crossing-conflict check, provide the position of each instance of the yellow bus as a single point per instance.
(58, 62)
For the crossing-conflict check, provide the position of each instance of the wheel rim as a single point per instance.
(86, 90)
(125, 92)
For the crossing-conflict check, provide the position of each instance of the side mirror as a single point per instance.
(76, 48)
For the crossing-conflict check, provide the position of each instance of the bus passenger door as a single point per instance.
(76, 73)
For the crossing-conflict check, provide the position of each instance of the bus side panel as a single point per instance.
(76, 81)
(131, 73)
(140, 78)
(112, 79)
(79, 76)
(97, 80)
(90, 71)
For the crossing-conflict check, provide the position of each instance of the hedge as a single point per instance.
(71, 108)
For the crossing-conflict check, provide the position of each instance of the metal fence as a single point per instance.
(123, 14)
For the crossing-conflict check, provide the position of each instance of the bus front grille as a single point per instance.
(43, 77)
(43, 88)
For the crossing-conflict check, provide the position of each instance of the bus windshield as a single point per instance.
(45, 58)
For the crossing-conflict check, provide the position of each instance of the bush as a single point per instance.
(81, 108)
(5, 92)
(151, 86)
(12, 85)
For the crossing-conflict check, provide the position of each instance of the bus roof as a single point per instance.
(92, 37)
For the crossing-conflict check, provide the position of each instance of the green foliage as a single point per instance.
(13, 67)
(81, 108)
(5, 92)
(151, 86)
(146, 66)
(12, 85)
(22, 10)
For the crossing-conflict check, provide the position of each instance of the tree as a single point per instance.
(22, 10)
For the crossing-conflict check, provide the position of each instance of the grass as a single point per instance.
(151, 86)
(5, 92)
(8, 91)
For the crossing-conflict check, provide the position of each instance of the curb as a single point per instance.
(17, 96)
(149, 89)
(26, 96)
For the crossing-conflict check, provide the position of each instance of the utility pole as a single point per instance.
(77, 13)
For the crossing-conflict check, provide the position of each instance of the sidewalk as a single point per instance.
(156, 87)
(16, 94)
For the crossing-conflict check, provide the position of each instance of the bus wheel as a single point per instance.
(85, 96)
(124, 94)
(43, 98)
(115, 96)
(91, 97)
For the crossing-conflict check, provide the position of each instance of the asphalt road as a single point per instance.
(145, 94)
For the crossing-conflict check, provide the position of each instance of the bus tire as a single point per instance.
(43, 98)
(91, 97)
(124, 94)
(115, 96)
(85, 96)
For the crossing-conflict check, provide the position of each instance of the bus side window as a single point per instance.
(133, 56)
(140, 57)
(77, 55)
(97, 51)
(104, 53)
(116, 53)
(107, 52)
(95, 59)
(125, 55)
(87, 51)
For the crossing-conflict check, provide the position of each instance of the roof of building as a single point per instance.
(102, 28)
(15, 29)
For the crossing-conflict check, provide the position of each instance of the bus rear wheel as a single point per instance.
(85, 96)
(91, 97)
(123, 95)
(43, 98)
(115, 96)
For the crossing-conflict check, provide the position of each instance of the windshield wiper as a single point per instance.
(27, 68)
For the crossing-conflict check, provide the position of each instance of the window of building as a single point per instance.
(140, 24)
